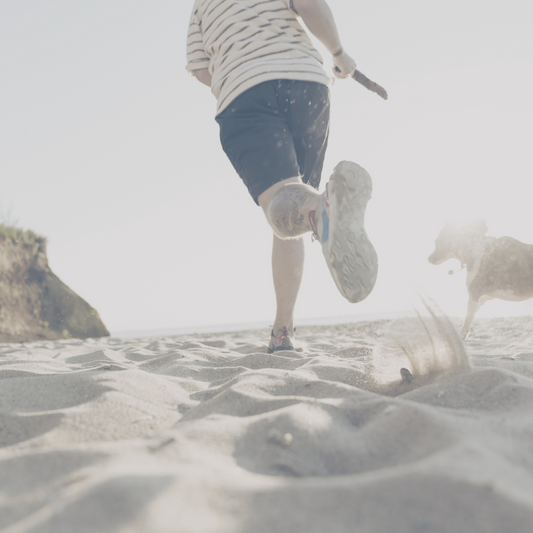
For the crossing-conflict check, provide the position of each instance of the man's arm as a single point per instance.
(203, 76)
(318, 17)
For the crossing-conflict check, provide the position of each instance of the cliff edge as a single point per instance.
(34, 303)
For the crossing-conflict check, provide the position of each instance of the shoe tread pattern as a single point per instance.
(353, 259)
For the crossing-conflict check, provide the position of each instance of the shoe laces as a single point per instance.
(284, 333)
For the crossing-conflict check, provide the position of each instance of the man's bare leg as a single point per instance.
(287, 271)
(286, 205)
(349, 254)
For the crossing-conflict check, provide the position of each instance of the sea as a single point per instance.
(223, 328)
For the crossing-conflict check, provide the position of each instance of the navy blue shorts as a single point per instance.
(275, 131)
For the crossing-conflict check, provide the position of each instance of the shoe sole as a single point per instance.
(351, 258)
(288, 348)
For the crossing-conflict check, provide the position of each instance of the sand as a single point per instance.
(210, 434)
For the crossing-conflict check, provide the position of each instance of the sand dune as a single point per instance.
(210, 434)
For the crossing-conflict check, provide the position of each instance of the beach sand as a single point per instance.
(208, 433)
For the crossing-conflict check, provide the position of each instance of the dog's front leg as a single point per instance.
(471, 308)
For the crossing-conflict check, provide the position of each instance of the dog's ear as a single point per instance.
(479, 227)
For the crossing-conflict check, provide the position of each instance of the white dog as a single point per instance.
(496, 267)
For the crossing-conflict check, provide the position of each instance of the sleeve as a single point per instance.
(291, 7)
(197, 57)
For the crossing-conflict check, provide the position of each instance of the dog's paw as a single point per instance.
(464, 333)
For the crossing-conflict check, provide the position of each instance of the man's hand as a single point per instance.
(203, 76)
(344, 65)
(318, 17)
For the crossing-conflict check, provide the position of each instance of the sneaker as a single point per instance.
(339, 226)
(282, 342)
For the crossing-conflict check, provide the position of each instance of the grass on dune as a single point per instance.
(18, 235)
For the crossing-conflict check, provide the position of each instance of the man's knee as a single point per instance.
(287, 211)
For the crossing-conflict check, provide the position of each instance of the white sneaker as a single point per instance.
(339, 226)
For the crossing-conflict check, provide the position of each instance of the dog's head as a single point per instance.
(454, 241)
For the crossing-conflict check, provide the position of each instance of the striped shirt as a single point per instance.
(247, 42)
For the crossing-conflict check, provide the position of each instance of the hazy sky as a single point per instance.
(110, 150)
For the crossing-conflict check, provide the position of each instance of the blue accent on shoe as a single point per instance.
(325, 225)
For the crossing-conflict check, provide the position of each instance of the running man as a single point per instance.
(273, 112)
